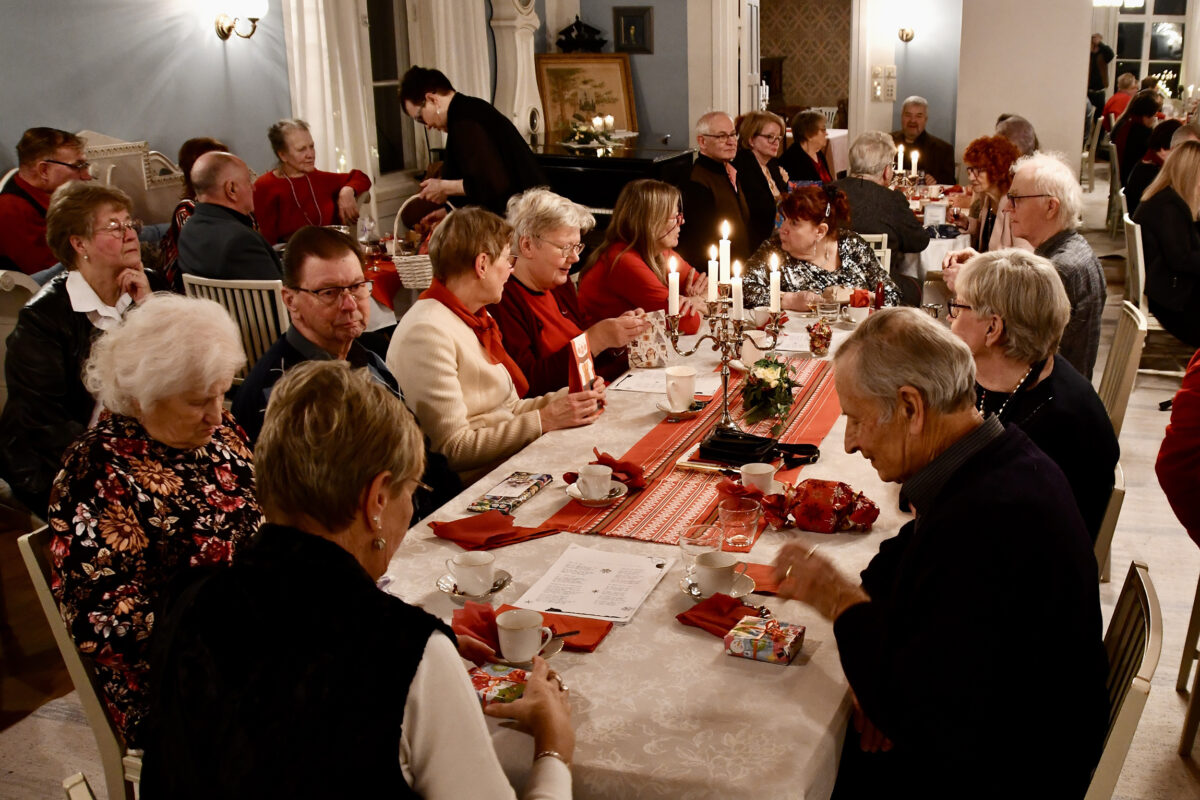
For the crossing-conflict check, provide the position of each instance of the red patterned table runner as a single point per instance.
(675, 499)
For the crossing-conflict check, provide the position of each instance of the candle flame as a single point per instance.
(774, 261)
(737, 269)
(724, 229)
(671, 263)
(712, 253)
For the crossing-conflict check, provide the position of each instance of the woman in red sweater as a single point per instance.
(539, 313)
(295, 193)
(629, 270)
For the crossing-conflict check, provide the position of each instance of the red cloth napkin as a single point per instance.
(626, 472)
(860, 298)
(782, 320)
(764, 580)
(716, 614)
(479, 620)
(486, 531)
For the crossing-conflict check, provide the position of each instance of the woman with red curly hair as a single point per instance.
(818, 254)
(989, 161)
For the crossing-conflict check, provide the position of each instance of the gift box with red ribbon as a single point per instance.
(765, 640)
(495, 683)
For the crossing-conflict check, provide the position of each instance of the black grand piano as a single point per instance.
(593, 177)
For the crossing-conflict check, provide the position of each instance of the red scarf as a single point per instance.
(485, 328)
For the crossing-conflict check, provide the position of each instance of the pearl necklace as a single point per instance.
(296, 198)
(979, 404)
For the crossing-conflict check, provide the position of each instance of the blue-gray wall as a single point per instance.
(138, 69)
(928, 65)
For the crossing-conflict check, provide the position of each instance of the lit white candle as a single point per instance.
(609, 122)
(597, 123)
(713, 273)
(723, 246)
(915, 154)
(900, 158)
(736, 283)
(672, 287)
(774, 283)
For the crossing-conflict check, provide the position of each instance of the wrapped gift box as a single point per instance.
(497, 684)
(765, 640)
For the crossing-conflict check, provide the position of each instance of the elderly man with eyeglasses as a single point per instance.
(46, 159)
(328, 298)
(220, 240)
(713, 194)
(1045, 203)
(992, 579)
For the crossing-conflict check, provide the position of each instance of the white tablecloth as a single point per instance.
(839, 150)
(917, 264)
(660, 711)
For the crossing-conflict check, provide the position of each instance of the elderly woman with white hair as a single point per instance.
(539, 313)
(1011, 309)
(163, 481)
(874, 207)
(1045, 203)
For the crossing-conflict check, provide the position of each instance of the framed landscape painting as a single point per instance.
(579, 86)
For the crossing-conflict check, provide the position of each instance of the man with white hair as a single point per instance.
(939, 701)
(1045, 202)
(713, 194)
(937, 156)
(874, 208)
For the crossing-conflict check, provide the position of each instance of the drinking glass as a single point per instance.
(738, 517)
(699, 539)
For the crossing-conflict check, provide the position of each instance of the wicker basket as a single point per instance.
(416, 272)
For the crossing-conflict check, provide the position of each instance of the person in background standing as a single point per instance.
(1098, 59)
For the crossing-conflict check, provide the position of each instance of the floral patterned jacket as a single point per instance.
(128, 511)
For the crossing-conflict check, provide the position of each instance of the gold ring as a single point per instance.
(787, 574)
(811, 550)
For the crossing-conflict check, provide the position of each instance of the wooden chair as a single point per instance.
(1120, 369)
(830, 113)
(878, 241)
(1114, 191)
(1133, 643)
(15, 290)
(1135, 286)
(1087, 167)
(122, 766)
(1108, 525)
(256, 306)
(1191, 720)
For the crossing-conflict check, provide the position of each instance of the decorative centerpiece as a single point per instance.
(768, 392)
(819, 337)
(596, 132)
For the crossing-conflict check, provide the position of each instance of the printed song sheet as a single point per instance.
(653, 381)
(595, 583)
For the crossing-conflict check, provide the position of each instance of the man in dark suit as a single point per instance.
(937, 156)
(712, 194)
(874, 208)
(219, 241)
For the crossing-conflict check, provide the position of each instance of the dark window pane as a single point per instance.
(383, 40)
(1163, 67)
(1129, 39)
(1166, 41)
(1170, 8)
(1130, 66)
(389, 129)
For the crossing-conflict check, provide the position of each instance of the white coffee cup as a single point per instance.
(714, 571)
(595, 481)
(759, 475)
(762, 315)
(522, 635)
(681, 388)
(754, 346)
(857, 313)
(473, 572)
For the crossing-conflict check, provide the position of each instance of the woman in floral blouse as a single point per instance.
(817, 251)
(164, 481)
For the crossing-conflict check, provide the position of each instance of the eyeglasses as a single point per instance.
(975, 170)
(119, 229)
(675, 220)
(1013, 198)
(78, 166)
(567, 250)
(953, 309)
(770, 139)
(332, 294)
(420, 115)
(724, 137)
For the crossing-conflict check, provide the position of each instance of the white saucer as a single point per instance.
(553, 648)
(679, 415)
(616, 491)
(742, 586)
(446, 585)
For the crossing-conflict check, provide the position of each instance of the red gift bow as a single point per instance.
(813, 505)
(626, 472)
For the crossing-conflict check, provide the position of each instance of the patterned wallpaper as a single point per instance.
(814, 38)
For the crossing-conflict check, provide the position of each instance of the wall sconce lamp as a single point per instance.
(906, 34)
(251, 11)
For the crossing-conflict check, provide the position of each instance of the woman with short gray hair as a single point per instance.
(1011, 309)
(163, 481)
(539, 314)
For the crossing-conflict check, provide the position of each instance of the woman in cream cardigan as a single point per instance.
(449, 360)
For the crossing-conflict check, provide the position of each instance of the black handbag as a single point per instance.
(736, 448)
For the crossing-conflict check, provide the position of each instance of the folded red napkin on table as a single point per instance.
(783, 319)
(626, 472)
(716, 614)
(764, 578)
(860, 298)
(486, 531)
(479, 620)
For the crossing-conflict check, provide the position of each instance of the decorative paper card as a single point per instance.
(793, 342)
(494, 683)
(583, 371)
(650, 349)
(595, 583)
(512, 492)
(935, 213)
(707, 384)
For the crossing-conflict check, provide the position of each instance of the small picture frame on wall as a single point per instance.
(633, 29)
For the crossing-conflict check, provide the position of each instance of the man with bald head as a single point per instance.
(219, 240)
(713, 194)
